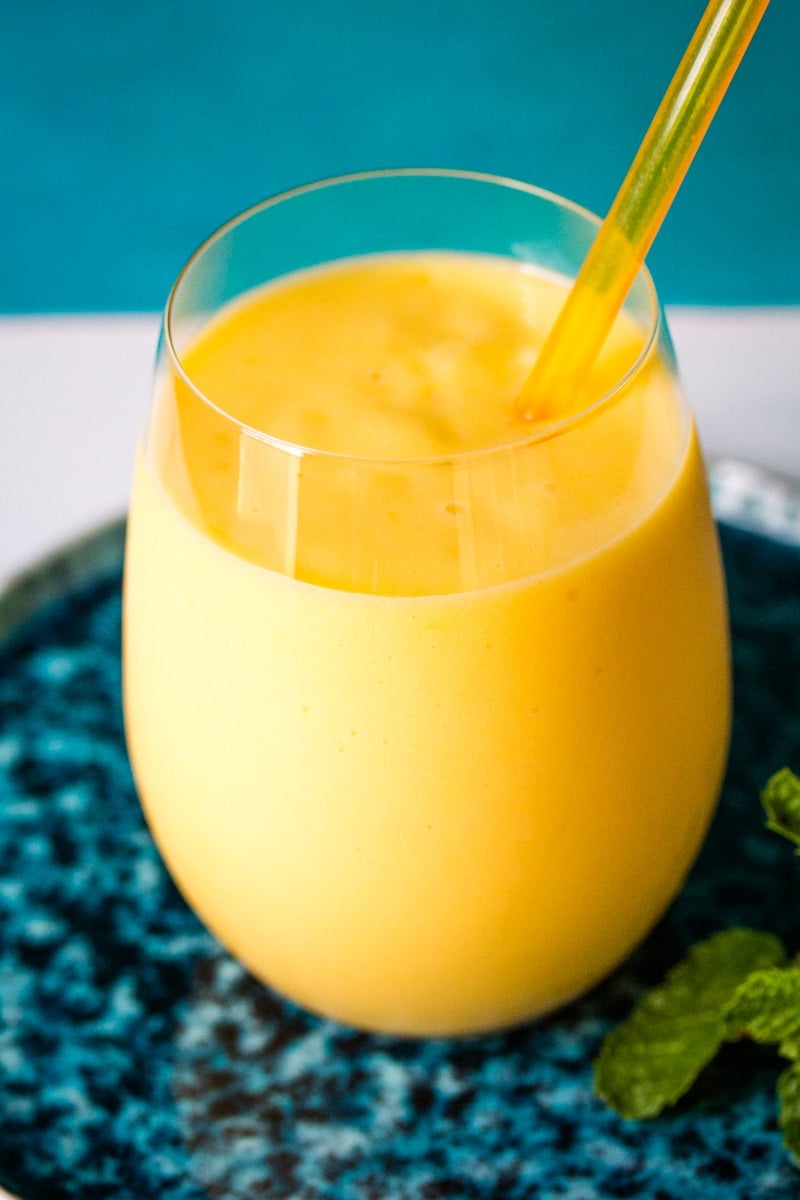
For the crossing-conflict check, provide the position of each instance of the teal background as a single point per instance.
(130, 129)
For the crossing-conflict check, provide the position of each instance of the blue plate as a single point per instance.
(138, 1060)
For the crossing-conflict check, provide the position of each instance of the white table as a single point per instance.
(75, 392)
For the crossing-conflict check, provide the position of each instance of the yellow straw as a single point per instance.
(554, 387)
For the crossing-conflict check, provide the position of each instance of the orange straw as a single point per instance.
(553, 389)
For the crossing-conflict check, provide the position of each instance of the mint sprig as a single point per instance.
(735, 984)
(766, 1008)
(781, 802)
(653, 1059)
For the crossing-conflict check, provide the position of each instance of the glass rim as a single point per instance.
(554, 429)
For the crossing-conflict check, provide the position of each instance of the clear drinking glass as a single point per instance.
(429, 742)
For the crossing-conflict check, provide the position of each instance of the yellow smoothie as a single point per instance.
(428, 708)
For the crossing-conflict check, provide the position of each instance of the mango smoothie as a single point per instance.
(428, 708)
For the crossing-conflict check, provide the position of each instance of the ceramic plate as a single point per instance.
(138, 1060)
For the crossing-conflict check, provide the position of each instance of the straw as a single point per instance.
(554, 387)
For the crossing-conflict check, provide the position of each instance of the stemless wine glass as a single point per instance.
(429, 742)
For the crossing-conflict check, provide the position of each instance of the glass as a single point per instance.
(428, 741)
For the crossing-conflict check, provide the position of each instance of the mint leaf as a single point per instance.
(654, 1057)
(790, 1047)
(789, 1109)
(781, 801)
(766, 1006)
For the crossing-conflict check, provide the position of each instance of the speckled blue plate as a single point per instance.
(139, 1061)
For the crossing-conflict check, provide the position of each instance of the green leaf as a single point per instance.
(790, 1047)
(654, 1057)
(781, 801)
(766, 1006)
(789, 1109)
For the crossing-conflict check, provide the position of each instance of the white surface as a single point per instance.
(73, 396)
(74, 392)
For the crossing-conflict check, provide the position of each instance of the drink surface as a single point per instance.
(393, 356)
(429, 748)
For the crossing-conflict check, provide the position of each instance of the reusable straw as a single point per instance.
(555, 385)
